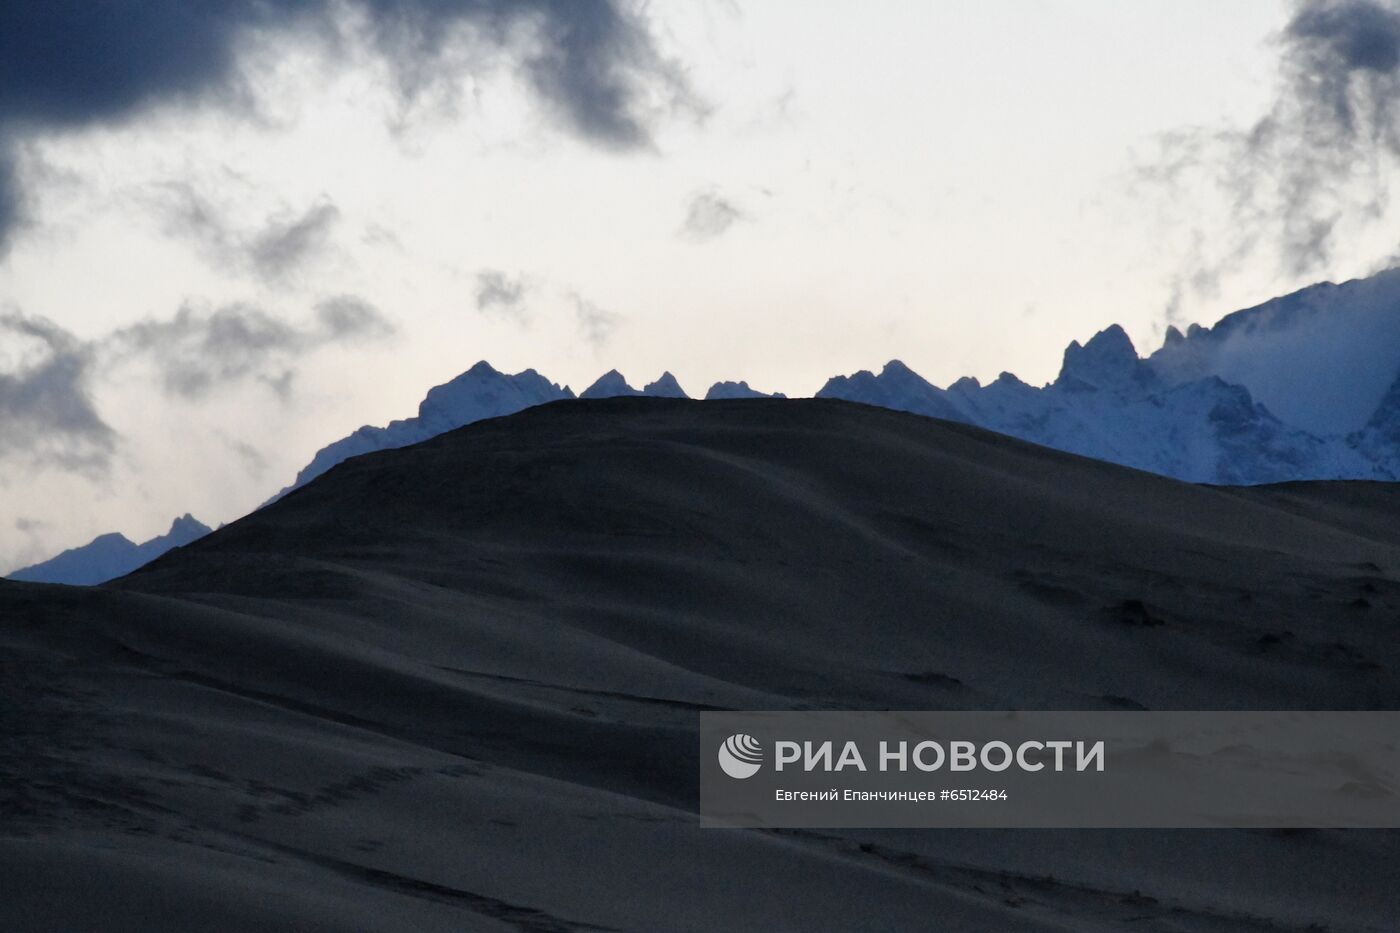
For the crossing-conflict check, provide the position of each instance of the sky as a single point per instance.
(232, 232)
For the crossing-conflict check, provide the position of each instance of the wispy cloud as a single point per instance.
(253, 462)
(278, 247)
(595, 324)
(1318, 162)
(709, 215)
(501, 294)
(288, 241)
(198, 350)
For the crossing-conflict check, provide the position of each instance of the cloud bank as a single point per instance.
(71, 64)
(48, 416)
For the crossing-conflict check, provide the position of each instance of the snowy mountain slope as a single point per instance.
(110, 556)
(1306, 386)
(1321, 358)
(1380, 438)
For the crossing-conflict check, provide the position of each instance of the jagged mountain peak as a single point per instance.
(1108, 361)
(482, 369)
(897, 369)
(609, 385)
(665, 386)
(897, 387)
(187, 526)
(110, 539)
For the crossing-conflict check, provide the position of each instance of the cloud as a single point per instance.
(595, 324)
(597, 64)
(10, 204)
(70, 64)
(196, 351)
(284, 243)
(47, 414)
(287, 242)
(708, 216)
(254, 463)
(349, 317)
(498, 293)
(48, 417)
(1318, 163)
(1336, 120)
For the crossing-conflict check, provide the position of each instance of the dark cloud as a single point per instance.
(46, 409)
(67, 64)
(596, 62)
(196, 351)
(10, 195)
(284, 243)
(708, 216)
(1319, 162)
(500, 294)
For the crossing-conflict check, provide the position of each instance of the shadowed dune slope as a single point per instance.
(454, 686)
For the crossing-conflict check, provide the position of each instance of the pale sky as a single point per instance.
(823, 187)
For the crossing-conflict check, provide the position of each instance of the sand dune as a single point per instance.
(454, 686)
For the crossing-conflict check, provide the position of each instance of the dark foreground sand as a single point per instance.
(455, 686)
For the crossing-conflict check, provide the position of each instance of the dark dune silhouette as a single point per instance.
(454, 686)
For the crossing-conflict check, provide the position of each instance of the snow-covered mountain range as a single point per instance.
(483, 392)
(479, 393)
(1302, 387)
